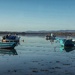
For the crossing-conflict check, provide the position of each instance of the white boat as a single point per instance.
(7, 45)
(50, 37)
(11, 38)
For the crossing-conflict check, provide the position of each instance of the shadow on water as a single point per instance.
(8, 51)
(67, 49)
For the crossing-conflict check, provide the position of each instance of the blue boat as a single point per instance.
(7, 45)
(10, 38)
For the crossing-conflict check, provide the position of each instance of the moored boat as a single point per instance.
(11, 38)
(69, 43)
(50, 36)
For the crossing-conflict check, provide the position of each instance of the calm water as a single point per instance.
(37, 56)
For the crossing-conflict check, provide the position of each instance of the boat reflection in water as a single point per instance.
(67, 49)
(51, 40)
(8, 51)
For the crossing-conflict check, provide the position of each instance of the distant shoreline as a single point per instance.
(40, 33)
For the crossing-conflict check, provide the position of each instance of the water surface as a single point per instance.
(37, 56)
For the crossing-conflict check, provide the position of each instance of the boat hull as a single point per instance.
(69, 43)
(7, 45)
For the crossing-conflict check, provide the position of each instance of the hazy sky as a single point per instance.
(24, 15)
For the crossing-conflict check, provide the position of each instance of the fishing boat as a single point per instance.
(9, 41)
(10, 38)
(7, 45)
